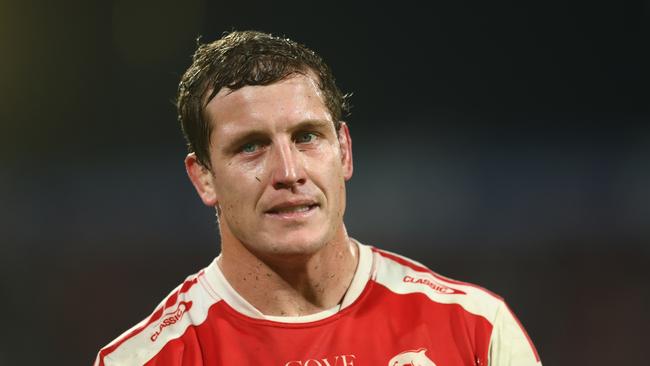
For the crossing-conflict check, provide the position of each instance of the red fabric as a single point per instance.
(378, 327)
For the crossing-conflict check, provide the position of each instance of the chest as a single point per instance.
(441, 335)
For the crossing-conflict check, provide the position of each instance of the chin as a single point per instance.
(294, 244)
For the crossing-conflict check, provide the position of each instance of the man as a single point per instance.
(268, 150)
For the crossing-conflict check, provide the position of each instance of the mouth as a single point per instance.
(292, 210)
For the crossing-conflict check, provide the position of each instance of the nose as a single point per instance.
(287, 167)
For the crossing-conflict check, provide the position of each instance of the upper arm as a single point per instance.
(509, 342)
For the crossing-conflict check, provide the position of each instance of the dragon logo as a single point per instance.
(411, 358)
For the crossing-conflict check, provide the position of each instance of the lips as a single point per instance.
(292, 208)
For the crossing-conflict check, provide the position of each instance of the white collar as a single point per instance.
(222, 289)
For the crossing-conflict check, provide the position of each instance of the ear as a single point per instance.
(345, 143)
(202, 179)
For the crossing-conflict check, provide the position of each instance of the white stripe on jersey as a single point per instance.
(141, 347)
(475, 300)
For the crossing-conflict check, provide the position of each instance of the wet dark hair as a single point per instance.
(242, 58)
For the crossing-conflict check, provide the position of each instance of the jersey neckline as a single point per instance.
(219, 287)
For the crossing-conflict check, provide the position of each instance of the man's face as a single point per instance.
(278, 167)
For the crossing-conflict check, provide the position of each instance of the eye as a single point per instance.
(305, 137)
(250, 147)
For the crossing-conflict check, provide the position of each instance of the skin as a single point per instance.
(277, 179)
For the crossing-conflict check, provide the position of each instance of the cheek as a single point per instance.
(236, 174)
(249, 173)
(230, 191)
(239, 190)
(330, 179)
(324, 157)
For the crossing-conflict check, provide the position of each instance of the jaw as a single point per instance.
(278, 238)
(295, 239)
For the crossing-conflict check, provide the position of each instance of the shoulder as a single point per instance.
(184, 307)
(404, 276)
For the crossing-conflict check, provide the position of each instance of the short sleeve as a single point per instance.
(509, 342)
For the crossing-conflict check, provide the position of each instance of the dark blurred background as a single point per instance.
(501, 143)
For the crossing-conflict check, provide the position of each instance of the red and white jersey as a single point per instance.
(396, 312)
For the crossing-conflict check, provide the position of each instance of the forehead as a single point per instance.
(291, 100)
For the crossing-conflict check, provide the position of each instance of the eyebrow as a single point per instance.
(310, 124)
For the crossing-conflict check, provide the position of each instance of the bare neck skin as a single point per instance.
(290, 285)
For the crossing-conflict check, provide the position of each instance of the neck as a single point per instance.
(295, 286)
